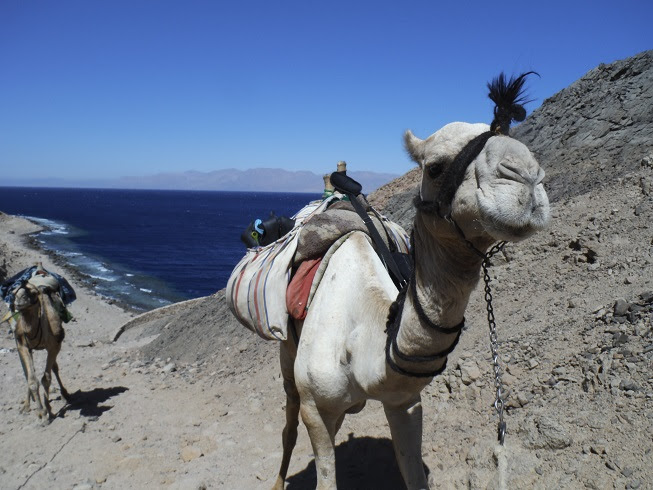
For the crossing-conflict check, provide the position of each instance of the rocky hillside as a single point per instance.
(586, 136)
(596, 130)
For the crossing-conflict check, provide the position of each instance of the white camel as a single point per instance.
(478, 187)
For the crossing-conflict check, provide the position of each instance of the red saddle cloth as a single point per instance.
(300, 288)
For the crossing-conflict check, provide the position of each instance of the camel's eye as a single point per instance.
(435, 170)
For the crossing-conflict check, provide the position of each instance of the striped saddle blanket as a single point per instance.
(256, 290)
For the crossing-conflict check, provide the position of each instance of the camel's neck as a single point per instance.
(29, 318)
(447, 271)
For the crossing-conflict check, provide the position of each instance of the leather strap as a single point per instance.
(381, 247)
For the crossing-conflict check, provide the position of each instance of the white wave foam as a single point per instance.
(53, 227)
(103, 278)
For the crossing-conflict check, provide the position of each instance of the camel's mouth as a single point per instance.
(513, 211)
(24, 300)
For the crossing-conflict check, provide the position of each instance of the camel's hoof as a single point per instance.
(24, 409)
(279, 484)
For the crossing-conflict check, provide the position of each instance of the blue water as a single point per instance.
(147, 248)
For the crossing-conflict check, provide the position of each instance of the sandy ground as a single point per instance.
(186, 398)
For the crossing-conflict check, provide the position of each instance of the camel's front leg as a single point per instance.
(406, 429)
(321, 426)
(28, 397)
(32, 383)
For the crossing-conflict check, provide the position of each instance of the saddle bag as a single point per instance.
(256, 290)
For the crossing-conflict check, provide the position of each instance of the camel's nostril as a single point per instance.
(521, 174)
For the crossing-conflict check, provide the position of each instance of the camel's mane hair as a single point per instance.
(509, 98)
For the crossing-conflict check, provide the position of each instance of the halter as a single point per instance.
(453, 176)
(507, 96)
(394, 321)
(396, 311)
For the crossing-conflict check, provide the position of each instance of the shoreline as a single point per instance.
(20, 250)
(79, 277)
(31, 241)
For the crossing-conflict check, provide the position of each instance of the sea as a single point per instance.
(147, 248)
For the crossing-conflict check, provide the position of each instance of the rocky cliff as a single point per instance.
(596, 130)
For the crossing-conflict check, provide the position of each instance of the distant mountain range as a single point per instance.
(231, 179)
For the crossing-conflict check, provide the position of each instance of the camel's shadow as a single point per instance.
(89, 402)
(361, 463)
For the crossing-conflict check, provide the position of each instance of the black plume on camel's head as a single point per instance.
(508, 97)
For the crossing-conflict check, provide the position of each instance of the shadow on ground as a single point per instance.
(361, 463)
(89, 402)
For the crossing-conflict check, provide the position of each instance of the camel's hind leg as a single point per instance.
(64, 392)
(46, 380)
(289, 435)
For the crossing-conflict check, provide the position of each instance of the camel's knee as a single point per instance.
(59, 335)
(323, 422)
(292, 422)
(25, 407)
(292, 395)
(290, 429)
(46, 381)
(33, 386)
(292, 418)
(64, 392)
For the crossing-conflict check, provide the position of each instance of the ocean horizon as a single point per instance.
(146, 248)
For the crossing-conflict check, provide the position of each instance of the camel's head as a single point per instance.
(490, 184)
(25, 296)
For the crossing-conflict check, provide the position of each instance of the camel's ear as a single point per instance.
(414, 147)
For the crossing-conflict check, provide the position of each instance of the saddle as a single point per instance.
(272, 283)
(40, 277)
(57, 287)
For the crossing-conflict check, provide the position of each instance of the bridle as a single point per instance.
(456, 171)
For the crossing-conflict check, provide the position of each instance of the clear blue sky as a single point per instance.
(96, 89)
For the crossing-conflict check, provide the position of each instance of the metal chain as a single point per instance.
(494, 341)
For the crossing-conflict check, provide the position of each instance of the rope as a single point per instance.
(502, 465)
(81, 429)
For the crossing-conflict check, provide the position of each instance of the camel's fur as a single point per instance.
(38, 327)
(340, 360)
